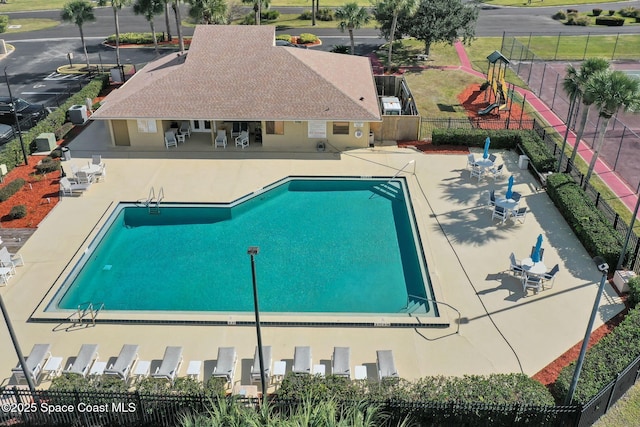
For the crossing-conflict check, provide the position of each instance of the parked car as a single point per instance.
(28, 114)
(7, 133)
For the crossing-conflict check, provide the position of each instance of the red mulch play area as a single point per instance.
(40, 194)
(428, 147)
(473, 100)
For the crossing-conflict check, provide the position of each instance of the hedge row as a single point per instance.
(4, 23)
(11, 188)
(592, 228)
(135, 38)
(494, 388)
(11, 153)
(603, 361)
(538, 153)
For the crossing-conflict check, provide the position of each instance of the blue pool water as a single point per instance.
(326, 246)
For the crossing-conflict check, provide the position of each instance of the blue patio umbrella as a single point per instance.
(509, 188)
(535, 256)
(486, 148)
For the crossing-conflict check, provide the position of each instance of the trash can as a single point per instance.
(523, 162)
(371, 139)
(66, 153)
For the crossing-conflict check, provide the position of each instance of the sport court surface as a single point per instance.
(500, 330)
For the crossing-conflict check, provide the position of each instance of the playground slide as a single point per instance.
(487, 110)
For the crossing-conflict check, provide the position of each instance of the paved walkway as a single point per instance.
(606, 174)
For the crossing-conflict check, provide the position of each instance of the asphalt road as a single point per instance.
(31, 68)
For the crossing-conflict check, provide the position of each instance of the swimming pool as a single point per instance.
(326, 246)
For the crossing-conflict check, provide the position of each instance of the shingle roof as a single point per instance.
(237, 73)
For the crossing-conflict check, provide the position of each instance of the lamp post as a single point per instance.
(603, 267)
(16, 346)
(15, 115)
(253, 251)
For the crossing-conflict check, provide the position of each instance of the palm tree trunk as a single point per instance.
(155, 39)
(176, 11)
(166, 20)
(601, 132)
(394, 24)
(583, 124)
(317, 6)
(313, 14)
(115, 18)
(353, 44)
(84, 47)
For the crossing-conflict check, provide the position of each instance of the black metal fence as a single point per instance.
(427, 125)
(20, 407)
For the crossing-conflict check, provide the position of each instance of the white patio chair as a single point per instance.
(550, 276)
(492, 157)
(492, 199)
(68, 188)
(471, 160)
(243, 139)
(170, 139)
(500, 213)
(531, 281)
(497, 172)
(221, 139)
(515, 266)
(185, 129)
(96, 159)
(477, 171)
(520, 214)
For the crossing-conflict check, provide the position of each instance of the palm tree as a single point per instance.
(149, 9)
(209, 11)
(166, 19)
(397, 6)
(79, 12)
(351, 18)
(610, 91)
(176, 11)
(574, 84)
(116, 5)
(257, 7)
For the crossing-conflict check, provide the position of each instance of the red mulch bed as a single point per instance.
(473, 100)
(40, 194)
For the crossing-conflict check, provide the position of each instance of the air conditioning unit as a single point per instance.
(78, 114)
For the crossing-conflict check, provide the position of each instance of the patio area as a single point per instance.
(467, 254)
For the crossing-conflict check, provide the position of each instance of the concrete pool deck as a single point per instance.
(466, 252)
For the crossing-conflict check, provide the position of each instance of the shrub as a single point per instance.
(63, 130)
(11, 188)
(580, 20)
(269, 15)
(570, 11)
(340, 48)
(590, 225)
(134, 38)
(627, 12)
(325, 15)
(634, 291)
(611, 12)
(305, 16)
(610, 21)
(47, 165)
(285, 37)
(317, 388)
(305, 38)
(603, 361)
(4, 23)
(249, 19)
(215, 387)
(560, 15)
(18, 211)
(596, 12)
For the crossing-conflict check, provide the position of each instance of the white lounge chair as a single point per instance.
(171, 362)
(170, 139)
(386, 364)
(221, 139)
(127, 357)
(35, 362)
(255, 368)
(302, 361)
(341, 362)
(68, 188)
(86, 356)
(226, 363)
(243, 139)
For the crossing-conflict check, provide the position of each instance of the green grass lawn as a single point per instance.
(24, 5)
(31, 25)
(545, 3)
(626, 411)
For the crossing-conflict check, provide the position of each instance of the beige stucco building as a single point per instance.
(235, 78)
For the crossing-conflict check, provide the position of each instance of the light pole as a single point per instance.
(603, 267)
(253, 251)
(15, 115)
(16, 346)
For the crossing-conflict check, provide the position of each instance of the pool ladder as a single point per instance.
(87, 310)
(153, 203)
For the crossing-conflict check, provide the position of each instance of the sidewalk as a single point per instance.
(606, 174)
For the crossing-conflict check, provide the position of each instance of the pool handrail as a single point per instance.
(431, 300)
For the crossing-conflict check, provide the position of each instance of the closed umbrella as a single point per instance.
(486, 148)
(509, 188)
(535, 256)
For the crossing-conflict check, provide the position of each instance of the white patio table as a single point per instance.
(533, 267)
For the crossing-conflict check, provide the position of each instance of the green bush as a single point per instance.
(11, 188)
(317, 388)
(63, 130)
(4, 23)
(539, 155)
(340, 48)
(634, 292)
(590, 225)
(610, 21)
(603, 361)
(269, 15)
(627, 12)
(611, 12)
(580, 20)
(135, 38)
(596, 12)
(560, 15)
(305, 16)
(47, 165)
(215, 387)
(285, 37)
(325, 15)
(305, 38)
(18, 211)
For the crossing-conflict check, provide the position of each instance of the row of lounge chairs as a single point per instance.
(86, 362)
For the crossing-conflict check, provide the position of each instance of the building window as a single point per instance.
(275, 128)
(147, 126)
(341, 128)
